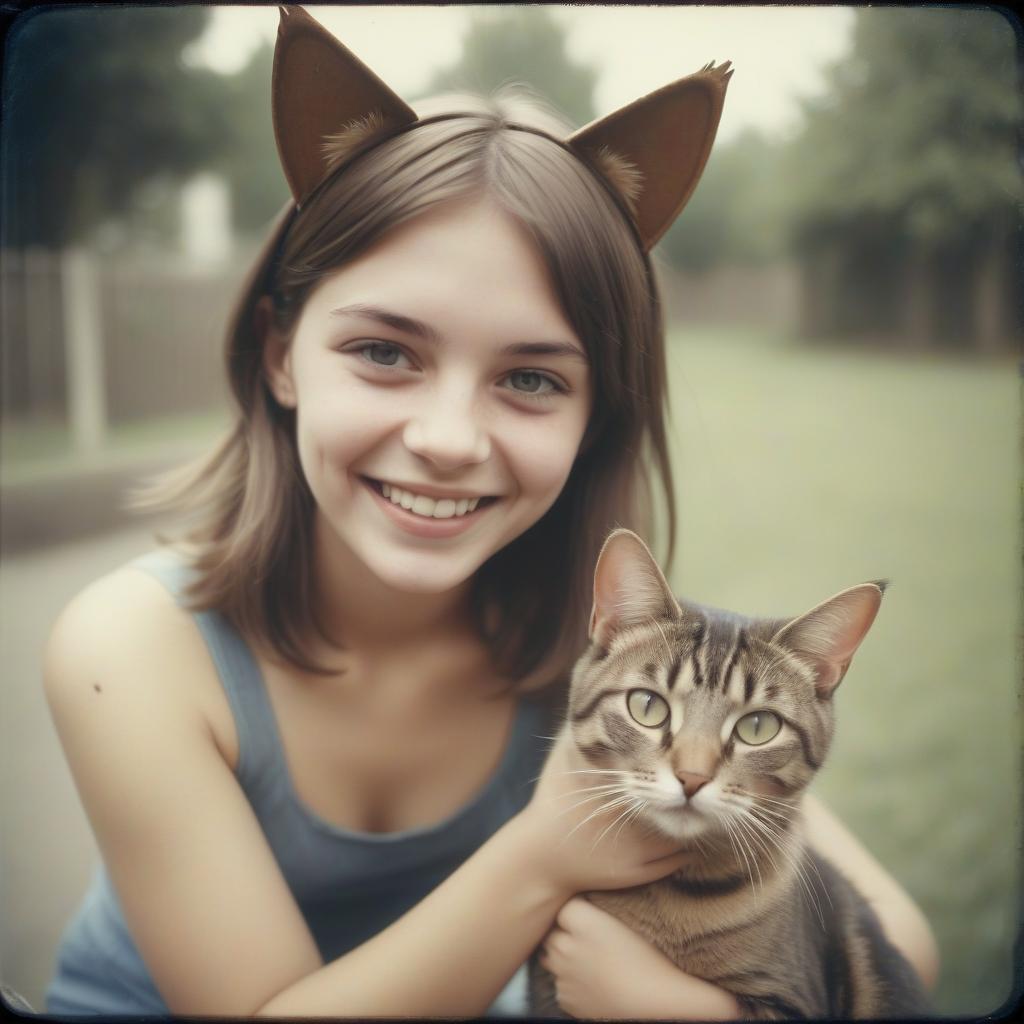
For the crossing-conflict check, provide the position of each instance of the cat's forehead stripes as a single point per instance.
(684, 679)
(733, 669)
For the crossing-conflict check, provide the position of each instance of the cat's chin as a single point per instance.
(679, 822)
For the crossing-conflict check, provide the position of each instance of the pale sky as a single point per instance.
(778, 52)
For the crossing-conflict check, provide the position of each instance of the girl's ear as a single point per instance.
(629, 588)
(277, 354)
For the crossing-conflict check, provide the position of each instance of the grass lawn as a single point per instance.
(802, 471)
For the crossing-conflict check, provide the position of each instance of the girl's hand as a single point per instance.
(602, 968)
(581, 824)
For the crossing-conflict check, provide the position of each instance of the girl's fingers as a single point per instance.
(576, 913)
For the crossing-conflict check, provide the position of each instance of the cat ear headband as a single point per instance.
(655, 147)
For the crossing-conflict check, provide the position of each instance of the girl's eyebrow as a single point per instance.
(409, 325)
(405, 324)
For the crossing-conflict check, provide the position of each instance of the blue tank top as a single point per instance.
(349, 885)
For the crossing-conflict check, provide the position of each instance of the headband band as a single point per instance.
(374, 140)
(320, 87)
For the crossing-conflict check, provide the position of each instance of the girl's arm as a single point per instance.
(901, 919)
(203, 896)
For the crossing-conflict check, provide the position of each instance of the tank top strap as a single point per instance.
(261, 760)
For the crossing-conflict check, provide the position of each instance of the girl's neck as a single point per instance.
(361, 612)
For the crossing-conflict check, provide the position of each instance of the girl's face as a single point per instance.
(437, 371)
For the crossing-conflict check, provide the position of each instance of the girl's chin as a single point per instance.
(419, 576)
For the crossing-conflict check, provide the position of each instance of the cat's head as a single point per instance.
(693, 717)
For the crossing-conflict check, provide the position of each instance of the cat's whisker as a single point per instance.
(759, 839)
(777, 816)
(746, 839)
(724, 821)
(593, 771)
(606, 787)
(608, 828)
(790, 804)
(600, 810)
(797, 867)
(635, 813)
(699, 845)
(739, 849)
(583, 771)
(587, 800)
(777, 840)
(597, 793)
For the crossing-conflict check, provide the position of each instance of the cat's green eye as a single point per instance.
(647, 708)
(758, 727)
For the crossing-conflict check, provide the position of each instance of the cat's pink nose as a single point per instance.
(692, 782)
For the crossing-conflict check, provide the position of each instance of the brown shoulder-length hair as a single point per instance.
(248, 509)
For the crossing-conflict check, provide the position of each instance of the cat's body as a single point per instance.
(707, 727)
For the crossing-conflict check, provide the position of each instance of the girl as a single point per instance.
(307, 749)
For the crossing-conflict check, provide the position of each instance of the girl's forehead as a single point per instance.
(458, 261)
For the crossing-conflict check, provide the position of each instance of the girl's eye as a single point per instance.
(758, 727)
(532, 383)
(647, 708)
(381, 353)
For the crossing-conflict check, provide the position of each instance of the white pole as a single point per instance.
(83, 348)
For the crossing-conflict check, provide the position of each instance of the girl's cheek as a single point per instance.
(546, 452)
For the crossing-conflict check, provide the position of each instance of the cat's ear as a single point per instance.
(827, 636)
(654, 149)
(629, 588)
(320, 88)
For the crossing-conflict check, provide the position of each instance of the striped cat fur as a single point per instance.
(708, 726)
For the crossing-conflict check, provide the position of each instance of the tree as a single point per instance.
(97, 102)
(522, 44)
(906, 182)
(249, 159)
(735, 215)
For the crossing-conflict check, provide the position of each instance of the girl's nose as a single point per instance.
(447, 435)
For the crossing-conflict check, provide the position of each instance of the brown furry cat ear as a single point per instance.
(827, 637)
(629, 588)
(321, 89)
(655, 148)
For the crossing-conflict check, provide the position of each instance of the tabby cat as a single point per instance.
(708, 727)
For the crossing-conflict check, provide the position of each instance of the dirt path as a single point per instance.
(46, 848)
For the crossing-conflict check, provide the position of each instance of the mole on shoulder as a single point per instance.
(97, 687)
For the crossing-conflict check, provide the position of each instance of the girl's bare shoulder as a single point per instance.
(126, 625)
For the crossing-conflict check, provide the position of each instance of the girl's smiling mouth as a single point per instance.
(427, 515)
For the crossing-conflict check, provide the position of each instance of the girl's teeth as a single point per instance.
(420, 504)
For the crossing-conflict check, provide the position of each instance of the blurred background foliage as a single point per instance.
(521, 44)
(871, 418)
(97, 106)
(898, 198)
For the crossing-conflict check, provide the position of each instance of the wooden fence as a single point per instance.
(95, 342)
